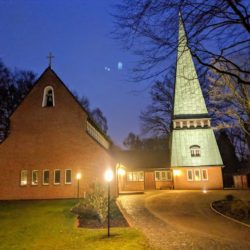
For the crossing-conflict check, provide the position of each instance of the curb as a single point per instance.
(124, 213)
(239, 222)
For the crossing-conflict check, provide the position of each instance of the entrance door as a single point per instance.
(149, 180)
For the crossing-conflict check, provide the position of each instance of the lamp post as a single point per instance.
(108, 178)
(78, 177)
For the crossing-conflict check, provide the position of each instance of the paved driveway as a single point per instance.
(184, 220)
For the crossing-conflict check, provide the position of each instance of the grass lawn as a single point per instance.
(51, 225)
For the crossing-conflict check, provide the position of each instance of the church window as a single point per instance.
(45, 177)
(57, 176)
(204, 174)
(48, 97)
(96, 135)
(24, 178)
(197, 175)
(135, 176)
(68, 176)
(190, 174)
(34, 177)
(195, 151)
(163, 176)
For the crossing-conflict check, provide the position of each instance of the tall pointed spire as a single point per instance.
(188, 95)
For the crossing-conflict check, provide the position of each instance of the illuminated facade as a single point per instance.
(195, 157)
(52, 142)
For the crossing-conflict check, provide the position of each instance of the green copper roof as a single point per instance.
(183, 139)
(188, 94)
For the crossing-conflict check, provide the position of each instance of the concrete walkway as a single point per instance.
(184, 220)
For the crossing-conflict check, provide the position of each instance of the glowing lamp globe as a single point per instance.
(121, 171)
(78, 176)
(108, 176)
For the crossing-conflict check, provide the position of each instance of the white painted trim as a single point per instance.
(55, 183)
(204, 169)
(45, 184)
(66, 176)
(34, 184)
(45, 91)
(188, 179)
(23, 171)
(197, 170)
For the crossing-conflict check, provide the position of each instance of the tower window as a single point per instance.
(48, 97)
(195, 151)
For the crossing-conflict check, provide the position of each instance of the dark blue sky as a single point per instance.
(78, 34)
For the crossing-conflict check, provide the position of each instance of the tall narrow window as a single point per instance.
(195, 151)
(204, 174)
(190, 174)
(197, 175)
(24, 178)
(68, 176)
(48, 97)
(57, 176)
(45, 177)
(34, 180)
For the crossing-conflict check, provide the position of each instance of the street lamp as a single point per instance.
(78, 177)
(108, 176)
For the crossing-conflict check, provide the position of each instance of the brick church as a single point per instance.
(52, 140)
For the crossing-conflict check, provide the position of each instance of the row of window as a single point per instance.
(197, 175)
(159, 176)
(93, 132)
(24, 180)
(192, 123)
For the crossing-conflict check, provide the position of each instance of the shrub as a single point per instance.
(95, 205)
(239, 209)
(229, 197)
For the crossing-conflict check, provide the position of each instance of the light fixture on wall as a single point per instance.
(78, 177)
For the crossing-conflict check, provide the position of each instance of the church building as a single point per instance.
(195, 158)
(54, 148)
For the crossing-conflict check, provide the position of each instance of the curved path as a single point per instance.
(184, 220)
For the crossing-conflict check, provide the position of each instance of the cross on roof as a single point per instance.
(50, 57)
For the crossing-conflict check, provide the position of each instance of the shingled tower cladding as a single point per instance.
(195, 157)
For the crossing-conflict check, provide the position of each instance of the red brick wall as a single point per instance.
(50, 138)
(214, 179)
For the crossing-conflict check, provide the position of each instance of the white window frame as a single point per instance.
(195, 151)
(192, 174)
(204, 170)
(57, 183)
(161, 178)
(23, 179)
(32, 180)
(45, 92)
(197, 171)
(46, 170)
(66, 176)
(136, 176)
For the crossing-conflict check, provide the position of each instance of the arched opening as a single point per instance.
(48, 97)
(195, 151)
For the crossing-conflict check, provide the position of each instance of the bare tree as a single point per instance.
(14, 86)
(156, 119)
(230, 108)
(100, 119)
(217, 31)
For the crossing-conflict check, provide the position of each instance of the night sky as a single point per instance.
(86, 57)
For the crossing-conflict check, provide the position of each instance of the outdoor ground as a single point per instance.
(42, 225)
(173, 219)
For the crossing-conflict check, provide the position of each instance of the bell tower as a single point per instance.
(195, 157)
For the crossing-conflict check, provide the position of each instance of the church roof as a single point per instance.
(183, 139)
(188, 95)
(140, 160)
